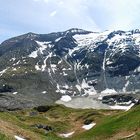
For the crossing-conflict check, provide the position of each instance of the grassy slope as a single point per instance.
(3, 137)
(116, 127)
(110, 124)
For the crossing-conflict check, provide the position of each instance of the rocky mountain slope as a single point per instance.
(40, 68)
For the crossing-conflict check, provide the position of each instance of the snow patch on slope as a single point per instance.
(66, 135)
(89, 126)
(88, 89)
(42, 47)
(3, 71)
(19, 138)
(109, 91)
(85, 39)
(119, 107)
(37, 67)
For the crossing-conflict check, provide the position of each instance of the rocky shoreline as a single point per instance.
(114, 101)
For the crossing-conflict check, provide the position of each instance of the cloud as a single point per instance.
(124, 14)
(46, 1)
(52, 14)
(43, 16)
(99, 14)
(66, 14)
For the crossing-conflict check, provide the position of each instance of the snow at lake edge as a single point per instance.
(65, 98)
(119, 107)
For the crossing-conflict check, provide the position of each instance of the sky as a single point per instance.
(45, 16)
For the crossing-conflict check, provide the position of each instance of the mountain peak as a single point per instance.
(77, 31)
(73, 62)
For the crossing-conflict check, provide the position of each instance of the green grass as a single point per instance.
(64, 119)
(111, 125)
(4, 137)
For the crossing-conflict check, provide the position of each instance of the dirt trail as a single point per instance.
(11, 130)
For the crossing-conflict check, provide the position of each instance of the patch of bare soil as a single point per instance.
(11, 130)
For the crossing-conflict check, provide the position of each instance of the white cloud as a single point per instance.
(123, 13)
(46, 1)
(43, 16)
(68, 14)
(61, 2)
(110, 14)
(52, 14)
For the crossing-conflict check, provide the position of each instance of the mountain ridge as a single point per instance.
(74, 62)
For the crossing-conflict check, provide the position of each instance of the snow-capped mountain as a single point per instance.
(75, 62)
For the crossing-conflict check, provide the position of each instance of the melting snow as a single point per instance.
(42, 47)
(37, 67)
(49, 71)
(44, 66)
(3, 71)
(53, 67)
(18, 62)
(104, 61)
(119, 107)
(109, 91)
(15, 93)
(19, 138)
(64, 74)
(139, 69)
(87, 66)
(108, 62)
(116, 39)
(64, 69)
(105, 92)
(66, 135)
(100, 97)
(125, 86)
(14, 69)
(58, 87)
(88, 89)
(89, 126)
(62, 91)
(78, 87)
(44, 92)
(71, 51)
(65, 98)
(60, 62)
(33, 54)
(66, 86)
(58, 39)
(13, 59)
(86, 39)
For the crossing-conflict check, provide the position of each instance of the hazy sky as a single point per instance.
(44, 16)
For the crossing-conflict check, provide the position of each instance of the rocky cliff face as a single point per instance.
(42, 67)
